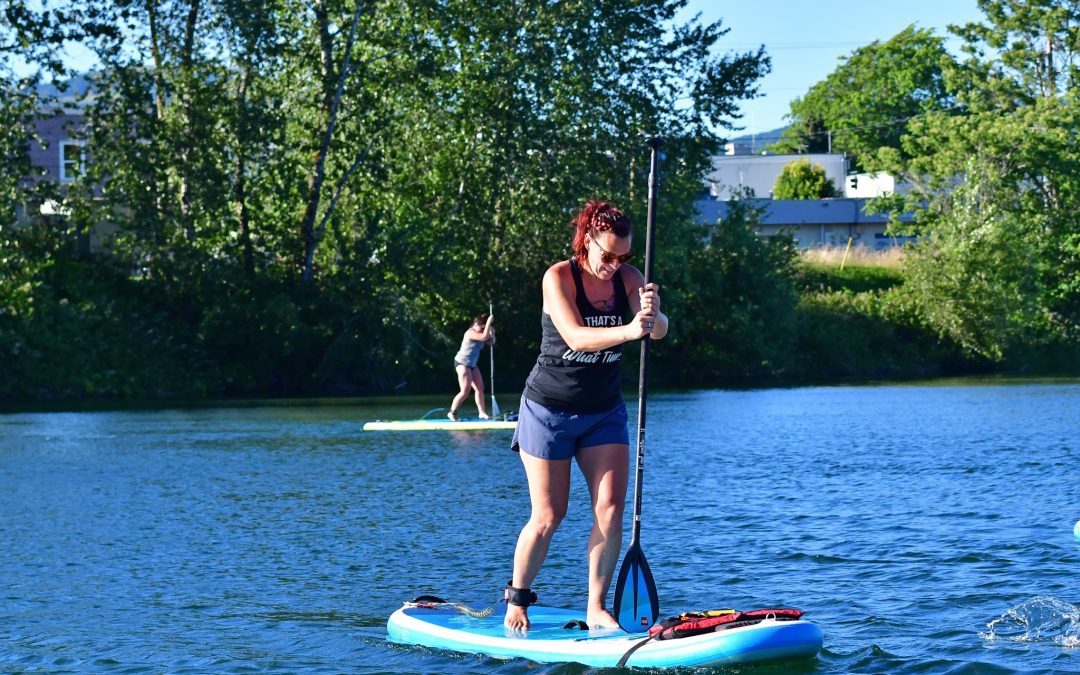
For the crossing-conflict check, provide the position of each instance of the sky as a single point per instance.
(806, 39)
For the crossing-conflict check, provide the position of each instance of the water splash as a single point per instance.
(1039, 619)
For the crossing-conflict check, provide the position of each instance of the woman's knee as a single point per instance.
(609, 512)
(545, 522)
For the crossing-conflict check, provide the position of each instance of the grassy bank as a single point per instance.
(826, 269)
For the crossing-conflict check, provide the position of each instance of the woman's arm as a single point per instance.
(482, 335)
(645, 302)
(559, 296)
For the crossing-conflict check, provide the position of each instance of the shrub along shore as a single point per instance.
(747, 312)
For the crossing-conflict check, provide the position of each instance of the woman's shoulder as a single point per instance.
(560, 271)
(559, 278)
(561, 267)
(632, 276)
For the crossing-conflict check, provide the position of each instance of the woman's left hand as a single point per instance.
(650, 299)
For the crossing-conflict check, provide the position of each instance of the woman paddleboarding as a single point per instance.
(479, 333)
(572, 407)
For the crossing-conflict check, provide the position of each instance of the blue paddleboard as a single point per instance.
(443, 627)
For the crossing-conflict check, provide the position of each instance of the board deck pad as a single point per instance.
(443, 627)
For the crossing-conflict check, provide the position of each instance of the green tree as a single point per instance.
(316, 194)
(864, 106)
(30, 39)
(972, 275)
(488, 154)
(803, 180)
(741, 291)
(1024, 50)
(999, 185)
(17, 110)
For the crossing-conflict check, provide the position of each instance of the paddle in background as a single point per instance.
(637, 605)
(494, 403)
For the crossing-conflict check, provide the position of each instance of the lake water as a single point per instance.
(927, 528)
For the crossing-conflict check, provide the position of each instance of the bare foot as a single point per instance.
(517, 618)
(485, 416)
(601, 619)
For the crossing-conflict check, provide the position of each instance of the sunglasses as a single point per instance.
(609, 258)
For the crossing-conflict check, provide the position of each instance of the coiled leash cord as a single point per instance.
(522, 597)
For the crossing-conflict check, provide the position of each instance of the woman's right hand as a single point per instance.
(641, 325)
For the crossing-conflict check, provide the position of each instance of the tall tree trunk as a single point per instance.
(326, 53)
(155, 52)
(240, 175)
(1050, 75)
(159, 93)
(309, 234)
(188, 80)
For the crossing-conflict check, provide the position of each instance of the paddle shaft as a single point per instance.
(494, 403)
(637, 605)
(643, 373)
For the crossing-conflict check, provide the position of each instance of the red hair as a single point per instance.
(597, 216)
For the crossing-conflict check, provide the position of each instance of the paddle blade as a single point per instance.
(494, 406)
(637, 605)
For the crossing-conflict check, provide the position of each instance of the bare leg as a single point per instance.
(549, 493)
(606, 469)
(464, 382)
(477, 381)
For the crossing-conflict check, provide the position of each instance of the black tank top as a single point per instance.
(587, 382)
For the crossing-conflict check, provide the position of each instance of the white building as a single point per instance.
(733, 173)
(870, 185)
(737, 170)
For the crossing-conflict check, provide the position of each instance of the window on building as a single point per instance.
(72, 159)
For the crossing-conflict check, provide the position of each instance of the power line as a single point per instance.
(886, 123)
(832, 44)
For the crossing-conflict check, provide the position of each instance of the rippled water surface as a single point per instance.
(926, 529)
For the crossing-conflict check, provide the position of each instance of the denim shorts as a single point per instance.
(553, 434)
